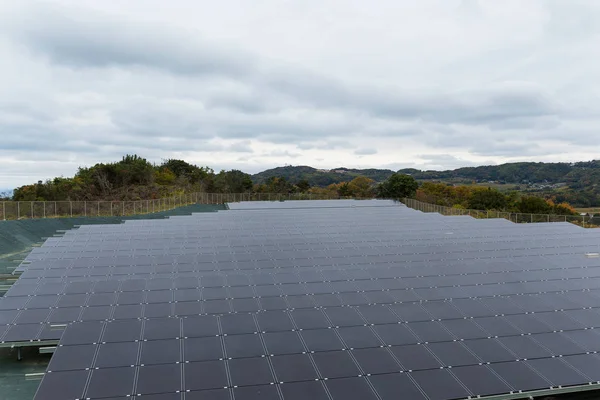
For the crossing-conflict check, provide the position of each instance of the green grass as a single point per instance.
(13, 384)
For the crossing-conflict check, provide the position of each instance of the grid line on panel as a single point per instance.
(224, 350)
(309, 354)
(348, 351)
(86, 386)
(581, 352)
(335, 260)
(268, 358)
(138, 362)
(549, 308)
(479, 274)
(490, 285)
(182, 356)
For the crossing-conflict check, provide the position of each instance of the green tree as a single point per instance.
(165, 177)
(233, 181)
(533, 205)
(303, 186)
(487, 199)
(278, 184)
(344, 189)
(398, 186)
(179, 167)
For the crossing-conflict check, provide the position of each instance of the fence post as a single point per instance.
(85, 208)
(71, 207)
(18, 210)
(111, 211)
(4, 210)
(98, 208)
(548, 217)
(32, 209)
(583, 219)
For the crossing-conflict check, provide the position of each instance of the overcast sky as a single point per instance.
(431, 84)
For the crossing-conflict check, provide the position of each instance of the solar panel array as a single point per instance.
(322, 300)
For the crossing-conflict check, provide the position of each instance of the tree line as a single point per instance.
(575, 183)
(135, 178)
(487, 198)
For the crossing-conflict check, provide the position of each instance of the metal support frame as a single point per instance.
(544, 392)
(40, 343)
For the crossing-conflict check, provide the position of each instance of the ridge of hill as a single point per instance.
(515, 173)
(135, 178)
(577, 183)
(320, 177)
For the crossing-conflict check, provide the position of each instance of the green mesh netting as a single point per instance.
(18, 237)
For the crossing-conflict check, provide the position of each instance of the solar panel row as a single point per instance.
(336, 300)
(195, 366)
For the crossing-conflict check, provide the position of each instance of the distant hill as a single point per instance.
(577, 183)
(320, 177)
(516, 173)
(523, 172)
(134, 178)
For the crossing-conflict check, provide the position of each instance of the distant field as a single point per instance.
(499, 186)
(593, 210)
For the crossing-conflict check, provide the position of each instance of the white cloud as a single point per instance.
(365, 151)
(323, 82)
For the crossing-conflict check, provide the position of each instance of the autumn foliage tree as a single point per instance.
(482, 198)
(361, 187)
(135, 178)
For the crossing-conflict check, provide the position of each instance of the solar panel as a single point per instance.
(339, 299)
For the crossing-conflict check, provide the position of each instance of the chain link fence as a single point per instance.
(585, 221)
(16, 210)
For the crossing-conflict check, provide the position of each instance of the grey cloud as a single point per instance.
(282, 153)
(81, 39)
(365, 152)
(16, 113)
(446, 161)
(488, 104)
(538, 124)
(324, 145)
(151, 118)
(82, 85)
(102, 42)
(238, 102)
(240, 147)
(514, 149)
(571, 20)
